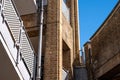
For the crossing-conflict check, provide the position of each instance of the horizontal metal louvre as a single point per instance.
(14, 23)
(12, 19)
(27, 52)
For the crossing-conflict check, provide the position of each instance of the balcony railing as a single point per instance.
(65, 75)
(19, 35)
(65, 11)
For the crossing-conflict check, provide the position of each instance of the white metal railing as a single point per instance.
(65, 74)
(66, 11)
(19, 35)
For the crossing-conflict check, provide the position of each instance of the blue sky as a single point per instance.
(92, 14)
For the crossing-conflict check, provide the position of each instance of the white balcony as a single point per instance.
(9, 52)
(15, 43)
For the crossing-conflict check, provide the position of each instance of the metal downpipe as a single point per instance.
(38, 77)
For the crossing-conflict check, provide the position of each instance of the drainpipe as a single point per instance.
(38, 77)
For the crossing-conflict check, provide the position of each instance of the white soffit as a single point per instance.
(26, 6)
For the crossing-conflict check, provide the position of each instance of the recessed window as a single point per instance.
(66, 9)
(39, 2)
(44, 2)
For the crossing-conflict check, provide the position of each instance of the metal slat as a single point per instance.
(26, 46)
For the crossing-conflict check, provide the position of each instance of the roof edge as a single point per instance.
(105, 20)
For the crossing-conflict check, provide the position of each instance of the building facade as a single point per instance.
(19, 37)
(103, 49)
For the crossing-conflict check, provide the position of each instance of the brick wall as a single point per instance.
(57, 31)
(53, 49)
(106, 44)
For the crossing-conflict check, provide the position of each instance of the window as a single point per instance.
(44, 2)
(65, 1)
(65, 10)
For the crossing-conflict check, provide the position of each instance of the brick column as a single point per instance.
(72, 22)
(53, 49)
(76, 32)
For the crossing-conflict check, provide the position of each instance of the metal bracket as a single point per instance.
(18, 52)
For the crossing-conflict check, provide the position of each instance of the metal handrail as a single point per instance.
(67, 72)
